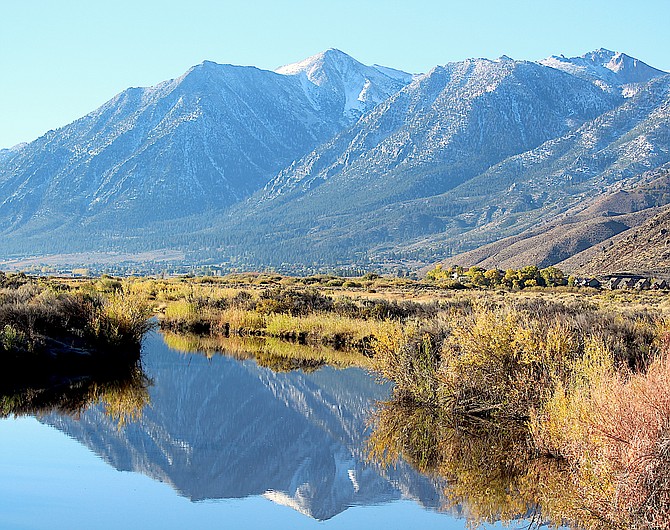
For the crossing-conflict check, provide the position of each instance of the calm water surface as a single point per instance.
(222, 444)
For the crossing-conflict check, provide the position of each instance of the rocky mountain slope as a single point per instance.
(589, 228)
(643, 249)
(344, 163)
(467, 154)
(194, 144)
(611, 71)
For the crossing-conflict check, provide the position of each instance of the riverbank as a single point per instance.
(51, 332)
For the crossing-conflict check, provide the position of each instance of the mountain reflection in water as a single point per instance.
(221, 428)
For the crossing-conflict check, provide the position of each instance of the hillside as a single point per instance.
(329, 162)
(644, 249)
(390, 177)
(590, 225)
(194, 144)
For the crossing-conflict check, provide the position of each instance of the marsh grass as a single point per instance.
(504, 358)
(613, 427)
(306, 316)
(34, 313)
(331, 329)
(582, 387)
(122, 320)
(58, 341)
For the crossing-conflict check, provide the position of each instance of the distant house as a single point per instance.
(587, 282)
(628, 283)
(659, 284)
(642, 284)
(613, 283)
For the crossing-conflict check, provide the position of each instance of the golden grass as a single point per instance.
(324, 327)
(613, 427)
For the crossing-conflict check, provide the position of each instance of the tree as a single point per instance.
(493, 277)
(476, 275)
(553, 276)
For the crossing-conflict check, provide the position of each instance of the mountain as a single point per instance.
(614, 150)
(643, 249)
(516, 193)
(441, 123)
(11, 151)
(202, 141)
(219, 428)
(569, 240)
(611, 71)
(372, 185)
(329, 162)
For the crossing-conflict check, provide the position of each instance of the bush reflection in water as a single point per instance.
(553, 410)
(488, 469)
(123, 394)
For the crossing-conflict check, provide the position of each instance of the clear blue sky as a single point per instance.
(62, 59)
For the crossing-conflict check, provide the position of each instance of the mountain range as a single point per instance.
(331, 162)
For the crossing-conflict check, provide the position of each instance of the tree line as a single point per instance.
(530, 276)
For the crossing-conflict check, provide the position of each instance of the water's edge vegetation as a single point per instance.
(550, 401)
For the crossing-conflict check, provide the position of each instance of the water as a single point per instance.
(222, 443)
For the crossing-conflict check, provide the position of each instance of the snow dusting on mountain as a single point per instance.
(331, 161)
(611, 71)
(333, 79)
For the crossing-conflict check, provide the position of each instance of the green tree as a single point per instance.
(493, 277)
(553, 276)
(476, 275)
(511, 276)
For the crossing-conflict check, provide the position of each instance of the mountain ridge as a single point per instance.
(328, 161)
(214, 133)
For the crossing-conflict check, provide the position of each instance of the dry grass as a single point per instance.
(327, 328)
(35, 314)
(613, 427)
(503, 357)
(586, 380)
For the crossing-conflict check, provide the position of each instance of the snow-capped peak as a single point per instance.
(334, 78)
(331, 57)
(612, 71)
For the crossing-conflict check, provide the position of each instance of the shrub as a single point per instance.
(13, 340)
(613, 427)
(123, 319)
